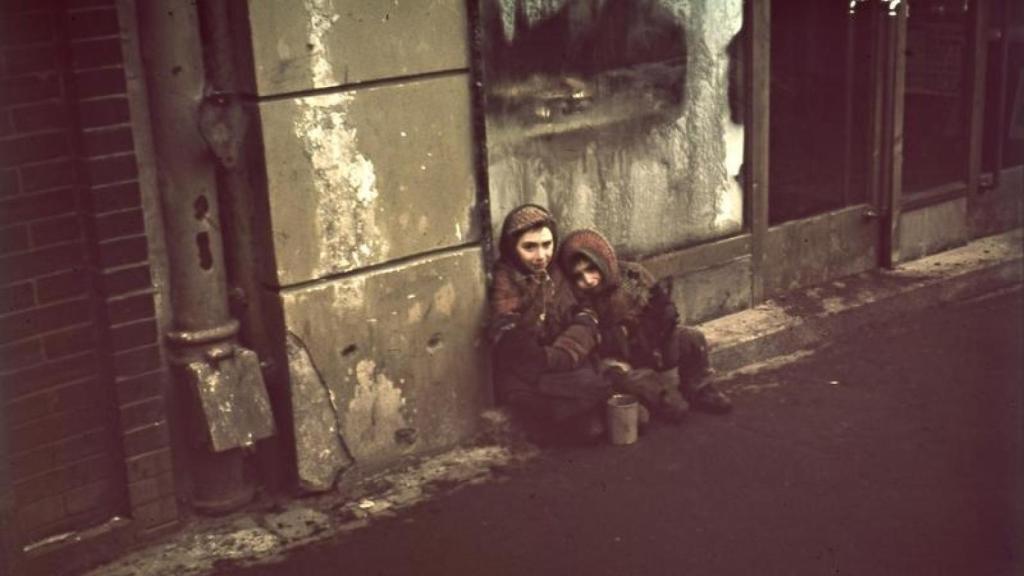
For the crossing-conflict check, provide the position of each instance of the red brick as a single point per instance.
(55, 427)
(40, 177)
(118, 224)
(44, 376)
(103, 112)
(149, 465)
(158, 513)
(124, 310)
(145, 413)
(26, 265)
(150, 489)
(47, 115)
(112, 169)
(69, 284)
(96, 53)
(78, 4)
(100, 142)
(96, 495)
(28, 89)
(56, 231)
(54, 455)
(32, 60)
(147, 439)
(158, 532)
(100, 82)
(127, 280)
(116, 197)
(130, 336)
(35, 207)
(137, 361)
(10, 184)
(141, 387)
(20, 6)
(20, 355)
(34, 148)
(123, 251)
(93, 23)
(25, 324)
(35, 515)
(64, 398)
(13, 239)
(70, 342)
(67, 475)
(21, 29)
(16, 297)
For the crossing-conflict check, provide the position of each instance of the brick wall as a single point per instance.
(80, 357)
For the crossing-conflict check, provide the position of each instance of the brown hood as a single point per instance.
(520, 220)
(594, 246)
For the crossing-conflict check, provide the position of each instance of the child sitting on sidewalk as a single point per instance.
(541, 338)
(639, 329)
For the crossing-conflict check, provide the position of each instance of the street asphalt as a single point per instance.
(895, 450)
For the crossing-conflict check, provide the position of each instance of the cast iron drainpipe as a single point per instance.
(226, 404)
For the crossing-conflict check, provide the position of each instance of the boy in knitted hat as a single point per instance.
(541, 338)
(640, 328)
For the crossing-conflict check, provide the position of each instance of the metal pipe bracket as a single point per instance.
(234, 408)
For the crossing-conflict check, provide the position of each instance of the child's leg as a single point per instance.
(656, 393)
(689, 350)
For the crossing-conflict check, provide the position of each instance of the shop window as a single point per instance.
(1003, 143)
(936, 91)
(625, 115)
(820, 102)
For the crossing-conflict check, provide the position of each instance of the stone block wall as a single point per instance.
(373, 252)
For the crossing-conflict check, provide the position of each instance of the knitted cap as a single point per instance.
(519, 220)
(595, 246)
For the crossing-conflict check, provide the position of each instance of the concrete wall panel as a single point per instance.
(309, 44)
(854, 242)
(401, 352)
(360, 178)
(1001, 208)
(933, 229)
(820, 248)
(713, 292)
(796, 254)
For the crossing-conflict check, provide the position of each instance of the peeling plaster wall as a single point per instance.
(359, 177)
(650, 186)
(361, 41)
(345, 184)
(401, 351)
(367, 141)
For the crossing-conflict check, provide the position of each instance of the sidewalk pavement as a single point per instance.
(770, 334)
(803, 319)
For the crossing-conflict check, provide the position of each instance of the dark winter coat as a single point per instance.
(541, 340)
(541, 304)
(635, 311)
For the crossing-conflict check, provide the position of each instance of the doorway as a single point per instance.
(830, 64)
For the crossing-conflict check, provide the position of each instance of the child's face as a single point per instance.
(586, 275)
(535, 248)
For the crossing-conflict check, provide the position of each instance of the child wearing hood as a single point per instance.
(541, 338)
(640, 328)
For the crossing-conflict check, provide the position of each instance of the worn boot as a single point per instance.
(690, 349)
(673, 406)
(706, 398)
(655, 394)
